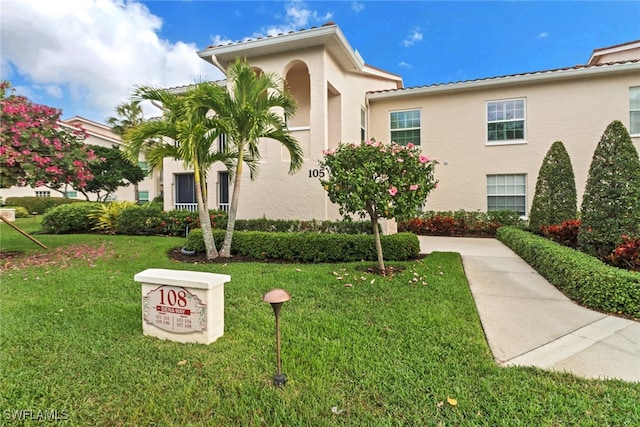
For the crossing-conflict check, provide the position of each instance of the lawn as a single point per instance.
(357, 349)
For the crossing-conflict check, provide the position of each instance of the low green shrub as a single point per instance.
(297, 226)
(69, 218)
(312, 247)
(179, 222)
(142, 220)
(580, 276)
(39, 205)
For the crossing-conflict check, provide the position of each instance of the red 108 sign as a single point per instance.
(174, 309)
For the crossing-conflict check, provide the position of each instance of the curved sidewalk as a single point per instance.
(528, 322)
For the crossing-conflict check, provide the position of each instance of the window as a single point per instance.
(71, 194)
(223, 191)
(185, 188)
(505, 121)
(144, 166)
(405, 126)
(363, 125)
(45, 193)
(507, 192)
(143, 196)
(634, 110)
(110, 198)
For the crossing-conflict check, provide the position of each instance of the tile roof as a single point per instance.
(487, 79)
(248, 39)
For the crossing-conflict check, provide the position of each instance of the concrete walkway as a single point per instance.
(528, 322)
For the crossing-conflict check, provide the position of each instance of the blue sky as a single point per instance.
(85, 56)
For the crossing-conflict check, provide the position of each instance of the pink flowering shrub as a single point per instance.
(36, 150)
(378, 180)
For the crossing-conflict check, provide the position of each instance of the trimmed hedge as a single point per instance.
(312, 247)
(580, 276)
(39, 205)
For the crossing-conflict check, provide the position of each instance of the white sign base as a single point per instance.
(182, 306)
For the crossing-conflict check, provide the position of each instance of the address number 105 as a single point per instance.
(316, 173)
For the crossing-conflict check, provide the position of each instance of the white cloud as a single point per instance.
(297, 16)
(414, 36)
(405, 65)
(542, 35)
(357, 7)
(94, 50)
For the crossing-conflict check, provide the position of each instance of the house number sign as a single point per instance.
(175, 310)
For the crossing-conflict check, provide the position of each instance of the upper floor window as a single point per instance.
(222, 142)
(506, 121)
(405, 126)
(144, 166)
(634, 110)
(44, 193)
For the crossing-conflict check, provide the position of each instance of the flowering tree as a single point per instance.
(379, 180)
(36, 150)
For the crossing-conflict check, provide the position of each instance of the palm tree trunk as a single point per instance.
(225, 251)
(203, 214)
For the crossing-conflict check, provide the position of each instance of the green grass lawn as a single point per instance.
(383, 351)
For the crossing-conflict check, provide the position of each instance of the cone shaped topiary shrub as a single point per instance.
(555, 199)
(611, 201)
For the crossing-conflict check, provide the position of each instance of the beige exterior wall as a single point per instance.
(575, 111)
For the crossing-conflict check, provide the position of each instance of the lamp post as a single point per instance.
(276, 297)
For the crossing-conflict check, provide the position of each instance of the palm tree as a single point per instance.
(248, 112)
(129, 114)
(193, 132)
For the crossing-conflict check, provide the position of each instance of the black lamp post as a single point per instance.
(276, 297)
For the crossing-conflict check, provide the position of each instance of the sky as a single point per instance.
(86, 56)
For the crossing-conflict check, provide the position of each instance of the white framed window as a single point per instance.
(144, 166)
(363, 124)
(143, 196)
(43, 193)
(405, 126)
(71, 194)
(506, 121)
(507, 192)
(634, 110)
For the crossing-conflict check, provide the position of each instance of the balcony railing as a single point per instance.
(191, 207)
